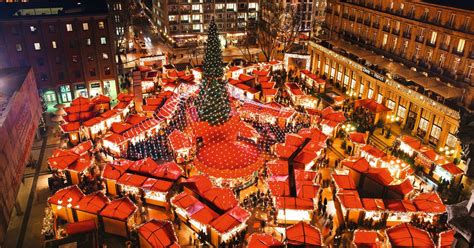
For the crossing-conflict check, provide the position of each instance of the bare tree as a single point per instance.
(248, 41)
(280, 30)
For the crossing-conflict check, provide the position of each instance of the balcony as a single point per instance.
(444, 46)
(428, 43)
(407, 35)
(419, 38)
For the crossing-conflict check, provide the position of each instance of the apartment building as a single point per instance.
(415, 57)
(185, 21)
(69, 44)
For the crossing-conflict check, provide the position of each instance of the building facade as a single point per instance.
(69, 46)
(20, 113)
(185, 22)
(416, 58)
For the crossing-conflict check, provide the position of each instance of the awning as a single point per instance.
(429, 203)
(349, 199)
(158, 233)
(92, 203)
(303, 234)
(66, 197)
(230, 220)
(263, 240)
(120, 209)
(447, 92)
(366, 239)
(406, 235)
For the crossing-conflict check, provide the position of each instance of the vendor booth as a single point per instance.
(406, 235)
(181, 145)
(303, 234)
(63, 200)
(119, 217)
(89, 206)
(263, 240)
(228, 226)
(366, 239)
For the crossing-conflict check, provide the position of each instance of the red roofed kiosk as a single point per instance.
(119, 216)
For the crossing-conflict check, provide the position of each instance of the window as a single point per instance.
(451, 19)
(390, 104)
(451, 141)
(40, 61)
(423, 124)
(92, 72)
(107, 70)
(117, 18)
(88, 41)
(33, 29)
(385, 38)
(103, 40)
(433, 38)
(74, 58)
(196, 7)
(219, 6)
(37, 46)
(14, 30)
(61, 75)
(460, 47)
(18, 47)
(371, 93)
(90, 58)
(53, 44)
(436, 130)
(172, 18)
(52, 29)
(402, 111)
(77, 74)
(58, 60)
(379, 98)
(43, 77)
(69, 27)
(105, 56)
(85, 26)
(101, 25)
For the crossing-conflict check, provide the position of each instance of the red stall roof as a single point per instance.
(144, 166)
(115, 138)
(359, 165)
(120, 209)
(168, 170)
(70, 127)
(303, 233)
(131, 180)
(314, 134)
(81, 164)
(373, 204)
(222, 198)
(446, 239)
(406, 235)
(344, 181)
(429, 202)
(263, 240)
(260, 72)
(179, 140)
(284, 150)
(100, 99)
(120, 127)
(92, 203)
(80, 227)
(230, 219)
(399, 205)
(245, 77)
(82, 148)
(373, 151)
(125, 97)
(349, 199)
(403, 188)
(380, 175)
(286, 202)
(153, 184)
(158, 233)
(371, 105)
(62, 159)
(360, 138)
(452, 169)
(199, 183)
(366, 239)
(69, 195)
(278, 167)
(305, 157)
(412, 142)
(116, 169)
(136, 119)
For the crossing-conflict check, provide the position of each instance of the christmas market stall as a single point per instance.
(267, 113)
(356, 141)
(373, 155)
(89, 206)
(112, 172)
(227, 226)
(299, 98)
(157, 234)
(63, 200)
(303, 234)
(366, 239)
(263, 240)
(313, 81)
(331, 120)
(377, 110)
(446, 239)
(101, 103)
(119, 217)
(406, 235)
(193, 212)
(74, 162)
(268, 92)
(182, 146)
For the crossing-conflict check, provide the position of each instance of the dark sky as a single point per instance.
(461, 4)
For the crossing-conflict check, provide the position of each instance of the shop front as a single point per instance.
(80, 89)
(95, 89)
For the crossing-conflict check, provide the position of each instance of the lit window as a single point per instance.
(33, 28)
(18, 48)
(88, 42)
(85, 26)
(74, 58)
(53, 44)
(101, 25)
(433, 37)
(69, 27)
(105, 56)
(460, 47)
(37, 46)
(103, 40)
(107, 70)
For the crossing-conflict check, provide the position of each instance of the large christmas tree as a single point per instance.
(213, 103)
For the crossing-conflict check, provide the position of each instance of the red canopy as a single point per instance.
(406, 235)
(179, 140)
(260, 73)
(158, 233)
(125, 97)
(135, 119)
(80, 101)
(380, 175)
(360, 138)
(403, 188)
(120, 127)
(153, 184)
(70, 127)
(414, 143)
(305, 157)
(168, 170)
(62, 159)
(430, 203)
(366, 239)
(284, 202)
(399, 205)
(446, 239)
(195, 209)
(131, 180)
(303, 233)
(80, 227)
(344, 181)
(230, 220)
(82, 148)
(349, 199)
(144, 166)
(284, 150)
(359, 165)
(371, 105)
(373, 151)
(100, 99)
(452, 169)
(245, 77)
(199, 183)
(222, 198)
(92, 203)
(116, 169)
(69, 195)
(120, 209)
(81, 164)
(263, 240)
(278, 167)
(115, 138)
(373, 204)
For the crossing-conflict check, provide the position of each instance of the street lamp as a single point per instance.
(352, 95)
(447, 151)
(348, 128)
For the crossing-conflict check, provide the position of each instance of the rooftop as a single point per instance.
(11, 80)
(52, 8)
